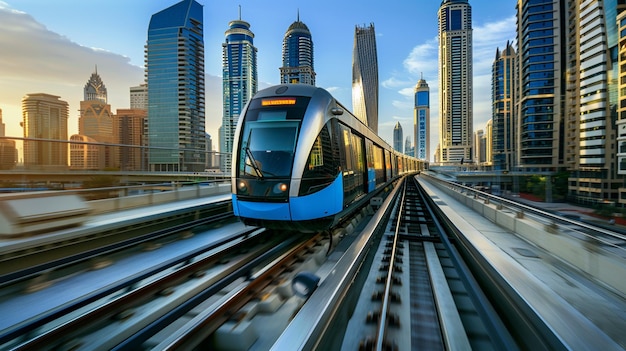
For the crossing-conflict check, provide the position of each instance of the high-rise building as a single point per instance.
(139, 97)
(421, 120)
(397, 137)
(45, 117)
(455, 81)
(8, 151)
(95, 125)
(2, 125)
(620, 124)
(539, 101)
(365, 76)
(621, 107)
(593, 41)
(240, 81)
(95, 120)
(86, 153)
(95, 90)
(408, 146)
(128, 125)
(297, 55)
(175, 78)
(479, 147)
(502, 92)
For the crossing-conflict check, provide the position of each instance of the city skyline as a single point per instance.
(70, 55)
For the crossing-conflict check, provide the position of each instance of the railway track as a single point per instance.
(419, 292)
(391, 279)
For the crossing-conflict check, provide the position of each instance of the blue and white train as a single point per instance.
(302, 161)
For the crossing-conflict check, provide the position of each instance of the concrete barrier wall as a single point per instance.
(184, 193)
(605, 267)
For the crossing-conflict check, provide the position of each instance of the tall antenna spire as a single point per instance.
(298, 14)
(240, 12)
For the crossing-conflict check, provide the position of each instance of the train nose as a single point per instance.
(264, 210)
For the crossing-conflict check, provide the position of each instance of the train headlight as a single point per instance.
(242, 186)
(280, 188)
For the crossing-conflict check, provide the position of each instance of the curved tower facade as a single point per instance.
(455, 81)
(297, 55)
(397, 138)
(240, 81)
(175, 77)
(365, 76)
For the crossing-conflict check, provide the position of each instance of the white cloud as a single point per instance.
(42, 61)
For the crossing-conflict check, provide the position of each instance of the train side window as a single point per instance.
(322, 164)
(379, 165)
(388, 164)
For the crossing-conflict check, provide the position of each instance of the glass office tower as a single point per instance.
(297, 55)
(175, 78)
(239, 67)
(540, 108)
(365, 76)
(502, 86)
(397, 138)
(455, 81)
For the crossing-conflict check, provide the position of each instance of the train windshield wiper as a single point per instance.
(253, 163)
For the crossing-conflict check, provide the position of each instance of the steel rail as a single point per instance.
(123, 284)
(382, 322)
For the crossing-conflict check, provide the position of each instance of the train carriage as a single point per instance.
(302, 161)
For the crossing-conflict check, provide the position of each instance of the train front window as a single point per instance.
(267, 149)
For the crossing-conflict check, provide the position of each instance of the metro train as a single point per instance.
(301, 161)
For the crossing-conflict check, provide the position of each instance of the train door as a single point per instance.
(388, 167)
(352, 164)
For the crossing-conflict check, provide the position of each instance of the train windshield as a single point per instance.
(267, 149)
(269, 136)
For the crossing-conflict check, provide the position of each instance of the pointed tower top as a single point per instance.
(240, 12)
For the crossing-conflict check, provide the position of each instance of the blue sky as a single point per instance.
(54, 46)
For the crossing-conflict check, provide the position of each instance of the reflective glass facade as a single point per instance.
(240, 81)
(175, 77)
(397, 138)
(365, 76)
(502, 85)
(297, 55)
(541, 86)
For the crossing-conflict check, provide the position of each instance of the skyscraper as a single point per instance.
(95, 125)
(240, 81)
(594, 45)
(408, 147)
(397, 137)
(297, 55)
(95, 90)
(175, 78)
(503, 87)
(540, 85)
(8, 152)
(95, 120)
(421, 120)
(455, 81)
(139, 97)
(128, 125)
(2, 125)
(365, 76)
(45, 117)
